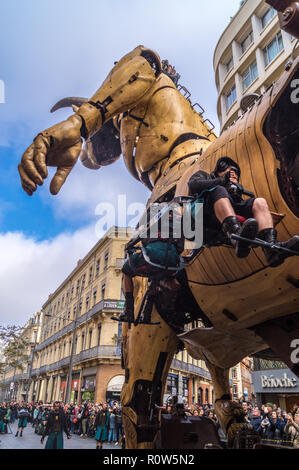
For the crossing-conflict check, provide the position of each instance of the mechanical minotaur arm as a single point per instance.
(139, 112)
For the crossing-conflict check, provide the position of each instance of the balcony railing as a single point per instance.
(176, 364)
(98, 307)
(92, 353)
(15, 378)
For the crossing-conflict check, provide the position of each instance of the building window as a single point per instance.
(106, 260)
(83, 338)
(234, 373)
(94, 296)
(231, 97)
(185, 387)
(229, 65)
(98, 267)
(172, 384)
(77, 288)
(249, 75)
(267, 17)
(90, 274)
(90, 338)
(273, 48)
(103, 289)
(247, 42)
(87, 301)
(99, 333)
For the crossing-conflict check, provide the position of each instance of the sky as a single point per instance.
(51, 49)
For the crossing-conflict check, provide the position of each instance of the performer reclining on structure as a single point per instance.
(223, 202)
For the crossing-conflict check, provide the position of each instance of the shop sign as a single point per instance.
(114, 304)
(276, 382)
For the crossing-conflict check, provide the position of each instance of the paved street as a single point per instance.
(30, 440)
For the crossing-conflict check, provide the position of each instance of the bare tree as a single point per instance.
(15, 348)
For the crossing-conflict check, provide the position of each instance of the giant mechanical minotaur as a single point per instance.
(246, 307)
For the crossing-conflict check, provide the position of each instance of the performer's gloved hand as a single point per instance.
(69, 436)
(225, 179)
(58, 146)
(234, 188)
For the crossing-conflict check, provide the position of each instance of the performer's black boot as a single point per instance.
(17, 433)
(276, 258)
(21, 433)
(128, 314)
(249, 230)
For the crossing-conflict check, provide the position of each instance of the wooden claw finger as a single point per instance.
(27, 183)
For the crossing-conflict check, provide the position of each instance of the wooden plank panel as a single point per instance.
(253, 300)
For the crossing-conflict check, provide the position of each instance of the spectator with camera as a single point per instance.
(292, 429)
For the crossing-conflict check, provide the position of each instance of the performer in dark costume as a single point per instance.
(160, 251)
(23, 419)
(101, 426)
(54, 428)
(223, 201)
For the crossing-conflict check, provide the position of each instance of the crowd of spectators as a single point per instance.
(274, 425)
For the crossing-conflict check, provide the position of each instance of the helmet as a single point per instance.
(223, 163)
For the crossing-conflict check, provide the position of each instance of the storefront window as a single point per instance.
(185, 387)
(172, 384)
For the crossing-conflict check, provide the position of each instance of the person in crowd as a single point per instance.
(56, 424)
(35, 416)
(112, 426)
(279, 427)
(84, 420)
(292, 429)
(2, 416)
(256, 420)
(247, 411)
(23, 419)
(118, 421)
(7, 417)
(101, 426)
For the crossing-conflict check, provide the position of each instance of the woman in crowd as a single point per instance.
(292, 429)
(101, 425)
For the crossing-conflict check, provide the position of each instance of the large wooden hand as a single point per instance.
(58, 146)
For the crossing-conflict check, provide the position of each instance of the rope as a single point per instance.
(277, 441)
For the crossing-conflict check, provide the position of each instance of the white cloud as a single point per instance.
(85, 189)
(30, 270)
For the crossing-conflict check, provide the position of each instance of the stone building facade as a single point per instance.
(250, 55)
